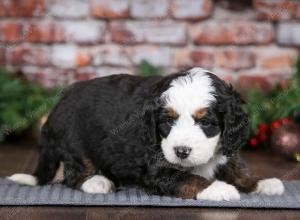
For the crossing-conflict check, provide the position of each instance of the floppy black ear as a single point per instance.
(149, 131)
(149, 115)
(153, 104)
(235, 121)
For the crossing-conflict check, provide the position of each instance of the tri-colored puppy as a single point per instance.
(176, 135)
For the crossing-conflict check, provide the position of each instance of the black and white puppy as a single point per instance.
(176, 135)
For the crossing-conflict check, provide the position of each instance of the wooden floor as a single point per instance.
(23, 159)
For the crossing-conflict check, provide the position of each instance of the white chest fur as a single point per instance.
(208, 170)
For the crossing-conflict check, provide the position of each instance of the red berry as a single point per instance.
(253, 142)
(275, 124)
(286, 120)
(262, 137)
(263, 127)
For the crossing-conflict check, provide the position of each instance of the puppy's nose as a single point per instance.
(182, 152)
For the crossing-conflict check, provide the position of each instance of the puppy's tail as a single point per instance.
(24, 179)
(45, 171)
(48, 164)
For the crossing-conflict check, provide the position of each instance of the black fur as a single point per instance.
(234, 120)
(117, 122)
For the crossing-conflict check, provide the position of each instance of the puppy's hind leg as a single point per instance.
(81, 173)
(46, 169)
(44, 173)
(23, 179)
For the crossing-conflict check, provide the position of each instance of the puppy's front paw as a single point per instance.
(98, 184)
(272, 186)
(219, 191)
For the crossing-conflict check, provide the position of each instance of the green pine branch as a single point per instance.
(22, 103)
(280, 103)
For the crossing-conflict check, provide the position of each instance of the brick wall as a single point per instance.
(61, 41)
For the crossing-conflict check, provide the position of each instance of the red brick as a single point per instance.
(149, 9)
(288, 34)
(64, 56)
(2, 9)
(226, 75)
(297, 12)
(90, 31)
(69, 8)
(275, 10)
(225, 13)
(25, 55)
(84, 74)
(235, 59)
(192, 9)
(83, 59)
(194, 57)
(276, 58)
(70, 56)
(112, 55)
(106, 71)
(2, 56)
(247, 82)
(44, 32)
(148, 32)
(113, 9)
(156, 55)
(11, 32)
(266, 81)
(47, 77)
(228, 78)
(25, 8)
(231, 32)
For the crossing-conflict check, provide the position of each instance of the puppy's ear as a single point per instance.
(150, 112)
(235, 126)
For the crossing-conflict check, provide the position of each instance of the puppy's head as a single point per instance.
(200, 116)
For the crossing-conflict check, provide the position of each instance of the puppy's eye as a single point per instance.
(205, 122)
(169, 123)
(169, 120)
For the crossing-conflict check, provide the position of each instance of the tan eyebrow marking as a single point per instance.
(200, 113)
(172, 113)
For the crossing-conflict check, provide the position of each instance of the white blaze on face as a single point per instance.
(186, 95)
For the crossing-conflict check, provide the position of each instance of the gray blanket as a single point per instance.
(14, 194)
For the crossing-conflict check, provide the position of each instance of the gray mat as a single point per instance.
(14, 194)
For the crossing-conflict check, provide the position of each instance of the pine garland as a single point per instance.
(281, 103)
(22, 103)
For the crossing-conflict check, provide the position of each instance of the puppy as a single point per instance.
(177, 135)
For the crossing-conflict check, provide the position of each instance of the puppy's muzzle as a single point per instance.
(182, 152)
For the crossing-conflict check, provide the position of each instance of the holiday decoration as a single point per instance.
(285, 140)
(22, 104)
(275, 118)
